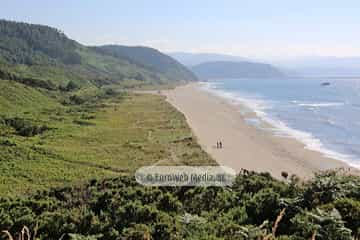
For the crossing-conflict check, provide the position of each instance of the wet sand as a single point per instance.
(245, 146)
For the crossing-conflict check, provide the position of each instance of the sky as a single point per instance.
(254, 28)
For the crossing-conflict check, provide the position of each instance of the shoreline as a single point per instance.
(277, 127)
(212, 118)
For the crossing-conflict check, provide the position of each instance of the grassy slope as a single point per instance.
(100, 139)
(16, 98)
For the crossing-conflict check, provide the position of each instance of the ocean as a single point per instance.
(324, 118)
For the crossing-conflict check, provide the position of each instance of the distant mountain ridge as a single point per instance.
(319, 66)
(192, 59)
(226, 69)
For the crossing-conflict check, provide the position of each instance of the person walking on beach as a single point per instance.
(220, 144)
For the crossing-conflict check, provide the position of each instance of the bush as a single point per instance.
(110, 92)
(74, 99)
(118, 208)
(168, 203)
(350, 212)
(264, 205)
(137, 232)
(71, 86)
(24, 127)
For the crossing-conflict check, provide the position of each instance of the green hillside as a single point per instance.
(64, 114)
(151, 59)
(23, 43)
(42, 53)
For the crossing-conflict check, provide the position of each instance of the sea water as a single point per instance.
(324, 118)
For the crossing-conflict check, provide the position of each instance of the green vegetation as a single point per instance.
(39, 55)
(101, 134)
(76, 177)
(65, 117)
(255, 207)
(149, 58)
(19, 99)
(23, 43)
(71, 137)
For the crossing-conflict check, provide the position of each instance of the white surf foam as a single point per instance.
(281, 129)
(323, 104)
(256, 105)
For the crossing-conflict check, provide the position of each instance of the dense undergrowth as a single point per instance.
(255, 207)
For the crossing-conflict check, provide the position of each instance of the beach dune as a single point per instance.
(213, 119)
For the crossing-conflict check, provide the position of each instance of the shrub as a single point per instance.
(74, 99)
(71, 86)
(120, 208)
(24, 127)
(284, 174)
(350, 213)
(137, 232)
(110, 92)
(264, 205)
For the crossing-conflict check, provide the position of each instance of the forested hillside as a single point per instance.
(150, 59)
(23, 43)
(42, 53)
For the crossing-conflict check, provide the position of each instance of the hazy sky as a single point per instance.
(256, 28)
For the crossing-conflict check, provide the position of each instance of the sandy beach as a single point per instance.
(244, 146)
